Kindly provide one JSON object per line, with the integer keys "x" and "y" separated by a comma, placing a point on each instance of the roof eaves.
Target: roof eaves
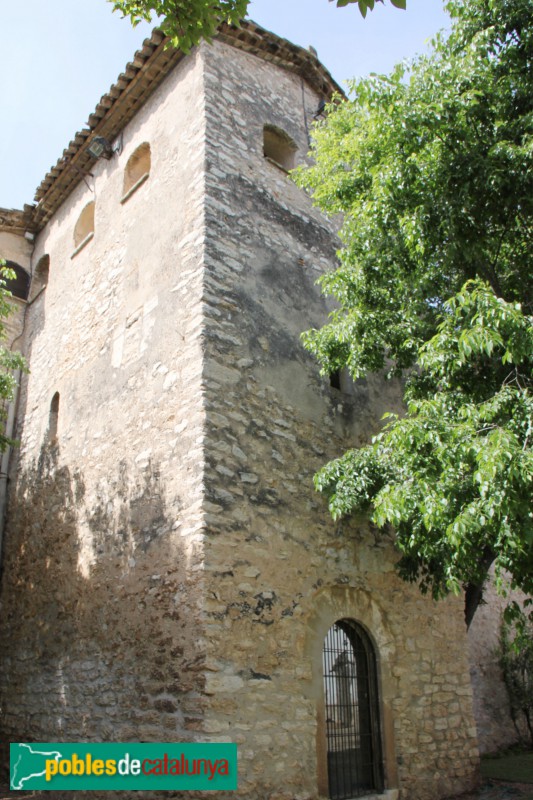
{"x": 141, "y": 77}
{"x": 150, "y": 65}
{"x": 256, "y": 40}
{"x": 13, "y": 220}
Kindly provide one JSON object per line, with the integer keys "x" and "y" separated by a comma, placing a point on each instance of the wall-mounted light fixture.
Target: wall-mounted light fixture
{"x": 100, "y": 147}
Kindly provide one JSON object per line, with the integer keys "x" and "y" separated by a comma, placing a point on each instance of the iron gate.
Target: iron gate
{"x": 352, "y": 712}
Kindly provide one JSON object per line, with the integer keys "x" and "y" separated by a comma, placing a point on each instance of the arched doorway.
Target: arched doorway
{"x": 353, "y": 737}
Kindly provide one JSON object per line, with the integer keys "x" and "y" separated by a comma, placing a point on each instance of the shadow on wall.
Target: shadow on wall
{"x": 107, "y": 652}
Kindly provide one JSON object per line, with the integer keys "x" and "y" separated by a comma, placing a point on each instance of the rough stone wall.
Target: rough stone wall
{"x": 279, "y": 572}
{"x": 495, "y": 727}
{"x": 100, "y": 625}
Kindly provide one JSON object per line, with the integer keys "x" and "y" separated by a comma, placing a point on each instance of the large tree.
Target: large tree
{"x": 188, "y": 21}
{"x": 431, "y": 168}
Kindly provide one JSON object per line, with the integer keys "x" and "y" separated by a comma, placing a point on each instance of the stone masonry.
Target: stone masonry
{"x": 169, "y": 573}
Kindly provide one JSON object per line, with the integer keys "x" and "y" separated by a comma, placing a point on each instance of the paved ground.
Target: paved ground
{"x": 498, "y": 790}
{"x": 492, "y": 790}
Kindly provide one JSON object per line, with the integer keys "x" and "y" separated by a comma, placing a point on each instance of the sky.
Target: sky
{"x": 60, "y": 56}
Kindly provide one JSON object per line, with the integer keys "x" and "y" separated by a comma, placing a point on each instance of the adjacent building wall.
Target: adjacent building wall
{"x": 14, "y": 247}
{"x": 495, "y": 727}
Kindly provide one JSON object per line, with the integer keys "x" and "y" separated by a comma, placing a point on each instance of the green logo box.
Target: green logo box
{"x": 158, "y": 767}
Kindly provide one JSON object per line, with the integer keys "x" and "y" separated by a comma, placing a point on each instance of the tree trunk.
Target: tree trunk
{"x": 474, "y": 591}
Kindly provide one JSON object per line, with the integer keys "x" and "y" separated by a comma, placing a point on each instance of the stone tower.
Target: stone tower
{"x": 169, "y": 573}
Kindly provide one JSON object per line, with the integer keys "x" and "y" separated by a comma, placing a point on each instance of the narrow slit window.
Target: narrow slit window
{"x": 137, "y": 170}
{"x": 279, "y": 148}
{"x": 53, "y": 419}
{"x": 351, "y": 713}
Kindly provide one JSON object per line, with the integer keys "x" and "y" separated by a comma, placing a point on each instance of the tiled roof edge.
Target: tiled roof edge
{"x": 267, "y": 45}
{"x": 150, "y": 65}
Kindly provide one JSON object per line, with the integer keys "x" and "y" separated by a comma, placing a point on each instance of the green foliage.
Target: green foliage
{"x": 9, "y": 361}
{"x": 454, "y": 475}
{"x": 368, "y": 5}
{"x": 431, "y": 168}
{"x": 516, "y": 661}
{"x": 186, "y": 22}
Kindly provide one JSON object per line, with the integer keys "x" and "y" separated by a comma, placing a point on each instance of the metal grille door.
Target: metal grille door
{"x": 352, "y": 712}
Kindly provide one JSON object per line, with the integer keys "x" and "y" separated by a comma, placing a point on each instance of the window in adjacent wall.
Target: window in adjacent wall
{"x": 19, "y": 286}
{"x": 137, "y": 170}
{"x": 279, "y": 148}
{"x": 341, "y": 380}
{"x": 352, "y": 712}
{"x": 53, "y": 418}
{"x": 40, "y": 276}
{"x": 84, "y": 228}
{"x": 335, "y": 379}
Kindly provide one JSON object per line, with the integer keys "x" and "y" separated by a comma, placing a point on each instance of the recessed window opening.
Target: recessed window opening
{"x": 84, "y": 228}
{"x": 40, "y": 276}
{"x": 53, "y": 418}
{"x": 137, "y": 170}
{"x": 335, "y": 379}
{"x": 19, "y": 285}
{"x": 279, "y": 147}
{"x": 341, "y": 380}
{"x": 352, "y": 712}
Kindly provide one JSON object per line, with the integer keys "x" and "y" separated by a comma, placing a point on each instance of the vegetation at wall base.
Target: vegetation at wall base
{"x": 512, "y": 767}
{"x": 431, "y": 168}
